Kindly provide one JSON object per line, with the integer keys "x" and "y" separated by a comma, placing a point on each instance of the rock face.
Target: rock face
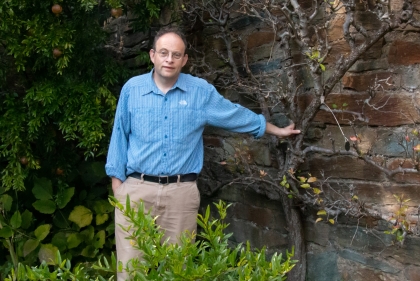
{"x": 386, "y": 124}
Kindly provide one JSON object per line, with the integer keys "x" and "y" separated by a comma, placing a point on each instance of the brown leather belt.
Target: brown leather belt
{"x": 165, "y": 179}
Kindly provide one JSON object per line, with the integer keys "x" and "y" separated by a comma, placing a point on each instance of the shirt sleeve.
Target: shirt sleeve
{"x": 222, "y": 113}
{"x": 116, "y": 163}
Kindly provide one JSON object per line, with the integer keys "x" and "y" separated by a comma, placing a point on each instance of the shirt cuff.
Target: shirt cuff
{"x": 112, "y": 172}
{"x": 263, "y": 125}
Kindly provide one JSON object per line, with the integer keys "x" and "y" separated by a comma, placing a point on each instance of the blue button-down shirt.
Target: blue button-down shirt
{"x": 160, "y": 134}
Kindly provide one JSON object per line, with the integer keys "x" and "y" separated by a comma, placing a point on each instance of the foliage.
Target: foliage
{"x": 58, "y": 93}
{"x": 51, "y": 216}
{"x": 211, "y": 258}
{"x": 207, "y": 259}
{"x": 52, "y": 101}
{"x": 400, "y": 225}
{"x": 62, "y": 270}
{"x": 145, "y": 11}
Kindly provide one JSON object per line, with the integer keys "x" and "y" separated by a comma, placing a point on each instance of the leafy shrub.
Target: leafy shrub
{"x": 210, "y": 258}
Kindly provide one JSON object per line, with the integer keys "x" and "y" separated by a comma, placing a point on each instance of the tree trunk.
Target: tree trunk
{"x": 296, "y": 238}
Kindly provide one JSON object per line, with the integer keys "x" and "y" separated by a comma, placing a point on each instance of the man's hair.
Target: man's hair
{"x": 166, "y": 30}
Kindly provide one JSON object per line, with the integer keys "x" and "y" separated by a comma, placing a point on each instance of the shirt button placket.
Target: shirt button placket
{"x": 165, "y": 136}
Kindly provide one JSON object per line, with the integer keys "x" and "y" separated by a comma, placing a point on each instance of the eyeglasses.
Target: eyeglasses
{"x": 165, "y": 53}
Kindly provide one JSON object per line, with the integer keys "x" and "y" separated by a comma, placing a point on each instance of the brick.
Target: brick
{"x": 383, "y": 110}
{"x": 335, "y": 30}
{"x": 363, "y": 82}
{"x": 338, "y": 49}
{"x": 211, "y": 141}
{"x": 344, "y": 167}
{"x": 259, "y": 216}
{"x": 376, "y": 193}
{"x": 257, "y": 39}
{"x": 133, "y": 39}
{"x": 341, "y": 47}
{"x": 410, "y": 77}
{"x": 367, "y": 135}
{"x": 396, "y": 5}
{"x": 368, "y": 20}
{"x": 412, "y": 273}
{"x": 416, "y": 4}
{"x": 404, "y": 53}
{"x": 408, "y": 164}
{"x": 361, "y": 65}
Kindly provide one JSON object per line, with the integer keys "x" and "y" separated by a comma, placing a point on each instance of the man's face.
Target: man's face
{"x": 169, "y": 57}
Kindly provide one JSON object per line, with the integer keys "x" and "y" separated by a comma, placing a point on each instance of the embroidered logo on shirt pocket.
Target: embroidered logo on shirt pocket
{"x": 183, "y": 102}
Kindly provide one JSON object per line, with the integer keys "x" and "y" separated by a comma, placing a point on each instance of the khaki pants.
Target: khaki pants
{"x": 175, "y": 204}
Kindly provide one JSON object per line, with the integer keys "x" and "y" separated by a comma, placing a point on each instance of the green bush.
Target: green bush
{"x": 209, "y": 258}
{"x": 59, "y": 87}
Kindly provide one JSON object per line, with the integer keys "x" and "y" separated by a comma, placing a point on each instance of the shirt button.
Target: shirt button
{"x": 166, "y": 117}
{"x": 166, "y": 136}
{"x": 164, "y": 154}
{"x": 166, "y": 99}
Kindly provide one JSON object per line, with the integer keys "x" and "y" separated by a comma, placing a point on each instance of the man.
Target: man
{"x": 156, "y": 149}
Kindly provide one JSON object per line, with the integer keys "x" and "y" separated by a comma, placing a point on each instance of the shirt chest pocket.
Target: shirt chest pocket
{"x": 146, "y": 124}
{"x": 186, "y": 125}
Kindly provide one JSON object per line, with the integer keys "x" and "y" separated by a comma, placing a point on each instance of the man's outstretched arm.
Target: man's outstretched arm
{"x": 281, "y": 132}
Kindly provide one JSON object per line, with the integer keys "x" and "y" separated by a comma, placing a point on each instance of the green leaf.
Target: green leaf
{"x": 42, "y": 189}
{"x": 26, "y": 219}
{"x": 322, "y": 66}
{"x": 89, "y": 251}
{"x": 101, "y": 218}
{"x": 88, "y": 234}
{"x": 64, "y": 197}
{"x": 81, "y": 216}
{"x": 6, "y": 200}
{"x": 60, "y": 241}
{"x": 16, "y": 220}
{"x": 102, "y": 207}
{"x": 42, "y": 231}
{"x": 48, "y": 253}
{"x": 6, "y": 232}
{"x": 74, "y": 240}
{"x": 29, "y": 246}
{"x": 44, "y": 206}
{"x": 61, "y": 221}
{"x": 305, "y": 185}
{"x": 99, "y": 239}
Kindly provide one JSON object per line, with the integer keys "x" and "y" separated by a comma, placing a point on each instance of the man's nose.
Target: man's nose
{"x": 170, "y": 57}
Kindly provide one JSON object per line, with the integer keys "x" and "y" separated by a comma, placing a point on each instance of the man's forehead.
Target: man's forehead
{"x": 169, "y": 39}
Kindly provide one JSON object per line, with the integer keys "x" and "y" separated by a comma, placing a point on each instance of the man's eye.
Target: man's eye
{"x": 164, "y": 53}
{"x": 177, "y": 55}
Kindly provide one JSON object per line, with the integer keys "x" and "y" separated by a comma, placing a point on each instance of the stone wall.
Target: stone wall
{"x": 350, "y": 249}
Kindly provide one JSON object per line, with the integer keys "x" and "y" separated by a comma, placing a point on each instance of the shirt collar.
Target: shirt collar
{"x": 150, "y": 85}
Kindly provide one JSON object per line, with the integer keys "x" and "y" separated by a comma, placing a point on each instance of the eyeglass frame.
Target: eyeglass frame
{"x": 174, "y": 54}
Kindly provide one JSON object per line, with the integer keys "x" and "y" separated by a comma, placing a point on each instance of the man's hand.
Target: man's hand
{"x": 115, "y": 184}
{"x": 281, "y": 132}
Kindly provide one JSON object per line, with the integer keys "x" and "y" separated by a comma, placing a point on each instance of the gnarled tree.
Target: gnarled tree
{"x": 296, "y": 80}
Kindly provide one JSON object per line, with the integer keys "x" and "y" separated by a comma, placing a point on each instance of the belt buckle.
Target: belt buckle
{"x": 167, "y": 180}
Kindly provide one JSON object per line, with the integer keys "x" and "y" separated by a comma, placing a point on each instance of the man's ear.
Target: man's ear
{"x": 152, "y": 55}
{"x": 184, "y": 59}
